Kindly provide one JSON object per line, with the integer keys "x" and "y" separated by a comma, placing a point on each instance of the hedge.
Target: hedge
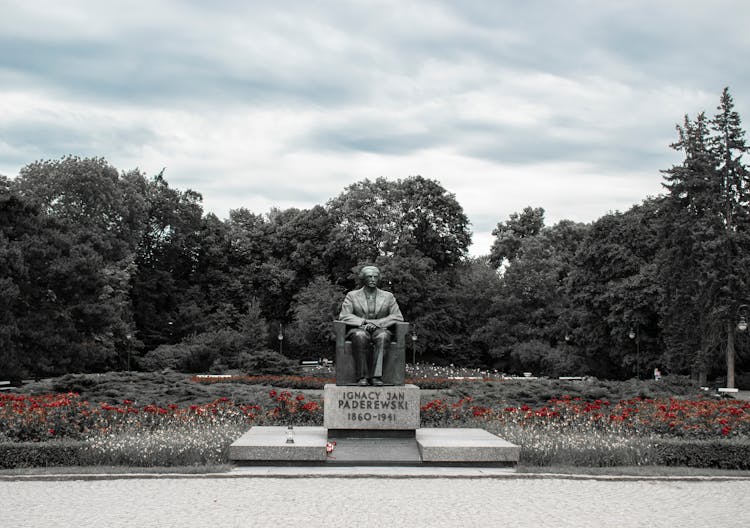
{"x": 721, "y": 454}
{"x": 41, "y": 454}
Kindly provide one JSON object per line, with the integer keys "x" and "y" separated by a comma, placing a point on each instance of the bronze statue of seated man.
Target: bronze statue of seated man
{"x": 371, "y": 311}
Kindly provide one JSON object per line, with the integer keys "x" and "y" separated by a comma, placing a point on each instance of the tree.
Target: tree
{"x": 510, "y": 234}
{"x": 532, "y": 302}
{"x": 19, "y": 221}
{"x": 706, "y": 238}
{"x": 315, "y": 306}
{"x": 728, "y": 145}
{"x": 613, "y": 288}
{"x": 279, "y": 254}
{"x": 413, "y": 216}
{"x": 82, "y": 252}
{"x": 166, "y": 260}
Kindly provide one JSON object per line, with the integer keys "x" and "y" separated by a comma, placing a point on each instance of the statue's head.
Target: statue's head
{"x": 369, "y": 276}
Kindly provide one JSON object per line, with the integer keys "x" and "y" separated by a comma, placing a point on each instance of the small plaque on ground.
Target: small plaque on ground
{"x": 371, "y": 407}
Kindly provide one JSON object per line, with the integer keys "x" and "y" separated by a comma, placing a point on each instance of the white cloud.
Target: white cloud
{"x": 568, "y": 106}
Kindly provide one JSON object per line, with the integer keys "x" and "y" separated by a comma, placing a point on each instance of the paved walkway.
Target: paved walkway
{"x": 248, "y": 500}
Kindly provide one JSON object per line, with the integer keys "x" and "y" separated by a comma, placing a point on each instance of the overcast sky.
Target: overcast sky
{"x": 567, "y": 105}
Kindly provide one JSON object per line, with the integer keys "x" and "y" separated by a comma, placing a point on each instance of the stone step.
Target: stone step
{"x": 268, "y": 445}
{"x": 375, "y": 452}
{"x": 469, "y": 445}
{"x": 475, "y": 447}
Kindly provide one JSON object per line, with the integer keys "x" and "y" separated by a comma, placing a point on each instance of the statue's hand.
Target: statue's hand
{"x": 370, "y": 327}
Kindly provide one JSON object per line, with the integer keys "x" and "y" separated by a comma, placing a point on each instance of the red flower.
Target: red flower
{"x": 272, "y": 394}
{"x": 300, "y": 397}
{"x": 481, "y": 411}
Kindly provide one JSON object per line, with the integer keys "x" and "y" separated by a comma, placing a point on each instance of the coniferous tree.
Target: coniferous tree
{"x": 705, "y": 236}
{"x": 728, "y": 146}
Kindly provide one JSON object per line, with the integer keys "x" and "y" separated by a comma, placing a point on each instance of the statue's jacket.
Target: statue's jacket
{"x": 354, "y": 309}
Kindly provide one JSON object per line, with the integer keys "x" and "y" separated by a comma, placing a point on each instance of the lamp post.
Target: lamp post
{"x": 741, "y": 326}
{"x": 128, "y": 337}
{"x": 414, "y": 348}
{"x": 280, "y": 337}
{"x": 741, "y": 320}
{"x": 635, "y": 334}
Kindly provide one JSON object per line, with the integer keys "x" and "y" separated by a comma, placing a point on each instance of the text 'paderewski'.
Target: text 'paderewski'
{"x": 372, "y": 400}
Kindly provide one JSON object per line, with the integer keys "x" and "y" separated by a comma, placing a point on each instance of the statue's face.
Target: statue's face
{"x": 370, "y": 278}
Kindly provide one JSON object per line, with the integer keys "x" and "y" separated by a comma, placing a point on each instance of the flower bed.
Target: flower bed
{"x": 58, "y": 428}
{"x": 567, "y": 430}
{"x": 634, "y": 432}
{"x": 703, "y": 418}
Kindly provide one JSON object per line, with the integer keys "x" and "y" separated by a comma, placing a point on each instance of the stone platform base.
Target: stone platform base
{"x": 437, "y": 447}
{"x": 465, "y": 446}
{"x": 268, "y": 445}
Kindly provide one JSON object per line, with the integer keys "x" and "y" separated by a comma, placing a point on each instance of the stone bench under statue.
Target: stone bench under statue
{"x": 394, "y": 360}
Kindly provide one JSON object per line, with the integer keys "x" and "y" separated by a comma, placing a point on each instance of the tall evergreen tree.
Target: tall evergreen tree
{"x": 728, "y": 145}
{"x": 706, "y": 239}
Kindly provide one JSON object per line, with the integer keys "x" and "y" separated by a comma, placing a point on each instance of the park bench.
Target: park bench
{"x": 726, "y": 392}
{"x": 5, "y": 385}
{"x": 310, "y": 363}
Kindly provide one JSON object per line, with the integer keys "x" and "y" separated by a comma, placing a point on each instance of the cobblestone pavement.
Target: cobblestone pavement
{"x": 380, "y": 502}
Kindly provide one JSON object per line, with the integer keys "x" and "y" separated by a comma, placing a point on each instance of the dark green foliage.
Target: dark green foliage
{"x": 721, "y": 454}
{"x": 509, "y": 235}
{"x": 537, "y": 393}
{"x": 265, "y": 361}
{"x": 103, "y": 270}
{"x": 614, "y": 288}
{"x": 41, "y": 454}
{"x": 413, "y": 216}
{"x": 315, "y": 306}
{"x": 162, "y": 388}
{"x": 66, "y": 248}
{"x": 706, "y": 239}
{"x": 530, "y": 313}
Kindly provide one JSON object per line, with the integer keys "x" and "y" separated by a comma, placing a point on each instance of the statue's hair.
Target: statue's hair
{"x": 364, "y": 269}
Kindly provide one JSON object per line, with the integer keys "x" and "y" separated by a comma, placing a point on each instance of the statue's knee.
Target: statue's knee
{"x": 359, "y": 335}
{"x": 383, "y": 337}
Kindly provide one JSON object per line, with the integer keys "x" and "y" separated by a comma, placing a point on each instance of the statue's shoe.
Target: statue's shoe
{"x": 362, "y": 382}
{"x": 378, "y": 382}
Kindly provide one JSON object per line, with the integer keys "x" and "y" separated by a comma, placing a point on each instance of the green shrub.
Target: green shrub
{"x": 721, "y": 454}
{"x": 40, "y": 454}
{"x": 162, "y": 357}
{"x": 265, "y": 361}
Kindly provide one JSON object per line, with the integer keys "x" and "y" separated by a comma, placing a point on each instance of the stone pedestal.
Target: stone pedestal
{"x": 373, "y": 426}
{"x": 371, "y": 408}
